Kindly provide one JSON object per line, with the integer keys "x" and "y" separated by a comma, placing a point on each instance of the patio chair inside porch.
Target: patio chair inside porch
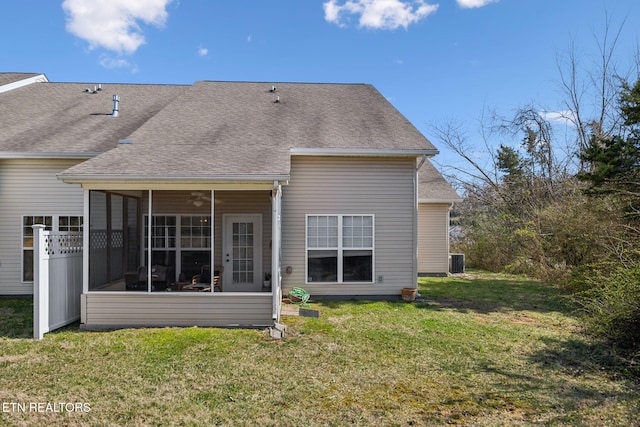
{"x": 202, "y": 282}
{"x": 160, "y": 278}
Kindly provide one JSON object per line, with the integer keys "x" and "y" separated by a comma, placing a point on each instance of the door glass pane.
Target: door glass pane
{"x": 242, "y": 252}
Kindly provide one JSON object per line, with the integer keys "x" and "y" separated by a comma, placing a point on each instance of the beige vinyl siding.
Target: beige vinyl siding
{"x": 433, "y": 238}
{"x": 29, "y": 187}
{"x": 227, "y": 202}
{"x": 219, "y": 309}
{"x": 352, "y": 185}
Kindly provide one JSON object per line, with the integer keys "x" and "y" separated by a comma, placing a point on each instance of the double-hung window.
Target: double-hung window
{"x": 179, "y": 241}
{"x": 51, "y": 222}
{"x": 163, "y": 241}
{"x": 340, "y": 248}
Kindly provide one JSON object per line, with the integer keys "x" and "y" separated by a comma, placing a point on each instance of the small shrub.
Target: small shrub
{"x": 610, "y": 297}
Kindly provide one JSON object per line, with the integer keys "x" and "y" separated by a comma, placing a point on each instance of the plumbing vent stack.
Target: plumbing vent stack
{"x": 116, "y": 106}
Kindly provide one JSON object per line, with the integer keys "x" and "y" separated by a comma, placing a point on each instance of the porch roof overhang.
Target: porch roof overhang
{"x": 175, "y": 182}
{"x": 47, "y": 155}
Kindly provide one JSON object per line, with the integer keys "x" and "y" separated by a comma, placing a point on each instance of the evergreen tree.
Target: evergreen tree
{"x": 615, "y": 160}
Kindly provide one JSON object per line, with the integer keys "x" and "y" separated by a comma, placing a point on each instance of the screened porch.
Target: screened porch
{"x": 180, "y": 241}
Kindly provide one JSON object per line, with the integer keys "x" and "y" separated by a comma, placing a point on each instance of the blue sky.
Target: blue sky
{"x": 434, "y": 60}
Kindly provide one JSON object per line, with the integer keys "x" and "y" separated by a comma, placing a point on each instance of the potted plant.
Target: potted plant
{"x": 409, "y": 294}
{"x": 267, "y": 280}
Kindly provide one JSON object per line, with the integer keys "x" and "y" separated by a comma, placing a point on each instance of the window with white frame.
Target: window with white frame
{"x": 70, "y": 223}
{"x": 163, "y": 239}
{"x": 51, "y": 222}
{"x": 340, "y": 248}
{"x": 180, "y": 241}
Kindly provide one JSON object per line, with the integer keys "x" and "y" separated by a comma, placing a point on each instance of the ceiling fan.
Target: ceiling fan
{"x": 198, "y": 198}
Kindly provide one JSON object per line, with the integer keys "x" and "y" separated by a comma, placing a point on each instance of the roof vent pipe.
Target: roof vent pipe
{"x": 116, "y": 105}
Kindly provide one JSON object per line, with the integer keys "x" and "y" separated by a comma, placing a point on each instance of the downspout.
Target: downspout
{"x": 276, "y": 279}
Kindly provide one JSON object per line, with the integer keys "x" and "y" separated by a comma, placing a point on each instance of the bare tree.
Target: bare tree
{"x": 590, "y": 93}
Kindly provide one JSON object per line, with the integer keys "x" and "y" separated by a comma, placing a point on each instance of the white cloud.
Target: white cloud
{"x": 203, "y": 51}
{"x": 109, "y": 62}
{"x": 378, "y": 14}
{"x": 470, "y": 4}
{"x": 113, "y": 24}
{"x": 566, "y": 117}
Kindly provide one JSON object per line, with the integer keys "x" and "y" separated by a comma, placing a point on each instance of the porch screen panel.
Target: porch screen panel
{"x": 117, "y": 255}
{"x": 113, "y": 240}
{"x": 132, "y": 234}
{"x": 98, "y": 249}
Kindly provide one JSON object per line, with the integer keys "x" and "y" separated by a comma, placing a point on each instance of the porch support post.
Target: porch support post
{"x": 276, "y": 206}
{"x": 212, "y": 267}
{"x": 41, "y": 284}
{"x": 415, "y": 228}
{"x": 86, "y": 249}
{"x": 149, "y": 240}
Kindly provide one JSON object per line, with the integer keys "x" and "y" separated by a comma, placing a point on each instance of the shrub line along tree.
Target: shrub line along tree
{"x": 567, "y": 213}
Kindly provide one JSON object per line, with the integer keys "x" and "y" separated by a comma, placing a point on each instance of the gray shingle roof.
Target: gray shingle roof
{"x": 209, "y": 129}
{"x": 63, "y": 118}
{"x": 237, "y": 128}
{"x": 432, "y": 186}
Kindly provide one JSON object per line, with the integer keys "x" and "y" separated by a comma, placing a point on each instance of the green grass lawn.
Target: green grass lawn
{"x": 476, "y": 350}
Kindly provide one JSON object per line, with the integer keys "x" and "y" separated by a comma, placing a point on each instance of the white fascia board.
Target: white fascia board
{"x": 362, "y": 152}
{"x": 186, "y": 179}
{"x": 439, "y": 200}
{"x": 46, "y": 155}
{"x": 23, "y": 82}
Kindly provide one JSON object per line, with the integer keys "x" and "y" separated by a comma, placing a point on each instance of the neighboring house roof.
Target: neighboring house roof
{"x": 433, "y": 188}
{"x": 10, "y": 81}
{"x": 62, "y": 119}
{"x": 6, "y": 78}
{"x": 225, "y": 130}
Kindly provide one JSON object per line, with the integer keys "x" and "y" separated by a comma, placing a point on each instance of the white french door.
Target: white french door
{"x": 242, "y": 252}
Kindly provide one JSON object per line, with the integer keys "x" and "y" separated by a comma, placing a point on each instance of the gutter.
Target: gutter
{"x": 123, "y": 178}
{"x": 439, "y": 200}
{"x": 362, "y": 152}
{"x": 46, "y": 155}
